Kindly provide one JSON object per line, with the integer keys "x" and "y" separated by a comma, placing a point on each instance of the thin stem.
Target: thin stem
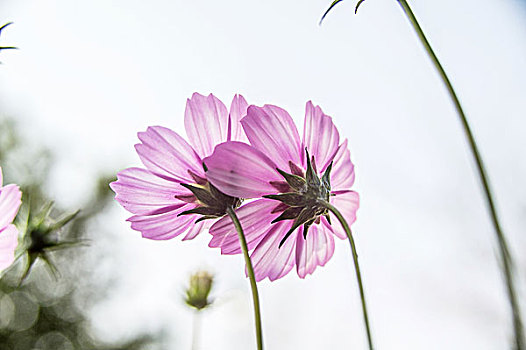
{"x": 196, "y": 329}
{"x": 251, "y": 276}
{"x": 347, "y": 229}
{"x": 507, "y": 260}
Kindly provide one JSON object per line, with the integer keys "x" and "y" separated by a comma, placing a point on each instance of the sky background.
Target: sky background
{"x": 90, "y": 75}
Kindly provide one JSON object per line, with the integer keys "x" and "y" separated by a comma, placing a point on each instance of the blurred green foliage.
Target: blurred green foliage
{"x": 41, "y": 304}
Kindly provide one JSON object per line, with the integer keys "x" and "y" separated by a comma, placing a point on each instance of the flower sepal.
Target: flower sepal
{"x": 41, "y": 238}
{"x": 305, "y": 202}
{"x": 213, "y": 203}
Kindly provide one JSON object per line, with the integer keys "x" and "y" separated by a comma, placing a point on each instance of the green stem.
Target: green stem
{"x": 347, "y": 229}
{"x": 251, "y": 276}
{"x": 507, "y": 261}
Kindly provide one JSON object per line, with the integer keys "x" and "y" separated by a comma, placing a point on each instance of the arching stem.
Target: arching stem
{"x": 505, "y": 255}
{"x": 251, "y": 276}
{"x": 348, "y": 231}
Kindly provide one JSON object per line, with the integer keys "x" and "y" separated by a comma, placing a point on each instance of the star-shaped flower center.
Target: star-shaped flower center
{"x": 303, "y": 196}
{"x": 212, "y": 202}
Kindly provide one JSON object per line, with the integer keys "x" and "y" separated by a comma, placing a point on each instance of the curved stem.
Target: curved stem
{"x": 507, "y": 261}
{"x": 347, "y": 229}
{"x": 252, "y": 277}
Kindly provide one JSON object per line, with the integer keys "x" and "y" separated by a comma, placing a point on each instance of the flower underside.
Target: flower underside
{"x": 303, "y": 196}
{"x": 212, "y": 202}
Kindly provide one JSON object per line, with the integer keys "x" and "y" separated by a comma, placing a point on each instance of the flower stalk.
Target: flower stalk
{"x": 505, "y": 255}
{"x": 196, "y": 329}
{"x": 253, "y": 285}
{"x": 347, "y": 229}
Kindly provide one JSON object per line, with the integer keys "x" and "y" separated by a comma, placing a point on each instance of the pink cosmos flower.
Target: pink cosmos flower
{"x": 10, "y": 201}
{"x": 289, "y": 226}
{"x": 172, "y": 196}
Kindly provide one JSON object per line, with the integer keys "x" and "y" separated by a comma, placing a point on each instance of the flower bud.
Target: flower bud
{"x": 197, "y": 293}
{"x": 42, "y": 237}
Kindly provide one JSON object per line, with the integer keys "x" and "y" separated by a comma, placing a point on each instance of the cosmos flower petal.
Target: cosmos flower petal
{"x": 338, "y": 233}
{"x": 313, "y": 251}
{"x": 320, "y": 136}
{"x": 141, "y": 192}
{"x": 206, "y": 123}
{"x": 268, "y": 259}
{"x": 168, "y": 155}
{"x": 255, "y": 218}
{"x": 271, "y": 130}
{"x": 164, "y": 225}
{"x": 238, "y": 110}
{"x": 347, "y": 203}
{"x": 194, "y": 231}
{"x": 8, "y": 244}
{"x": 242, "y": 171}
{"x": 238, "y": 170}
{"x": 342, "y": 174}
{"x": 10, "y": 200}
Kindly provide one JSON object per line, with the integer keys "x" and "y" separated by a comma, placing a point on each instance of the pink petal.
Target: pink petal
{"x": 255, "y": 218}
{"x": 141, "y": 192}
{"x": 342, "y": 174}
{"x": 347, "y": 203}
{"x": 240, "y": 170}
{"x": 338, "y": 233}
{"x": 271, "y": 130}
{"x": 168, "y": 155}
{"x": 268, "y": 259}
{"x": 238, "y": 110}
{"x": 320, "y": 136}
{"x": 10, "y": 200}
{"x": 206, "y": 123}
{"x": 313, "y": 251}
{"x": 8, "y": 243}
{"x": 194, "y": 231}
{"x": 164, "y": 225}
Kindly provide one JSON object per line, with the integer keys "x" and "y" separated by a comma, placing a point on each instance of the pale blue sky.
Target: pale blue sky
{"x": 90, "y": 75}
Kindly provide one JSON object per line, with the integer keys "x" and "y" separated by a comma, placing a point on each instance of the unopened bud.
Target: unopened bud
{"x": 42, "y": 237}
{"x": 199, "y": 289}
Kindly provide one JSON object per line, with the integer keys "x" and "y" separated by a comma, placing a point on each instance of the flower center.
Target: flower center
{"x": 303, "y": 197}
{"x": 212, "y": 202}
